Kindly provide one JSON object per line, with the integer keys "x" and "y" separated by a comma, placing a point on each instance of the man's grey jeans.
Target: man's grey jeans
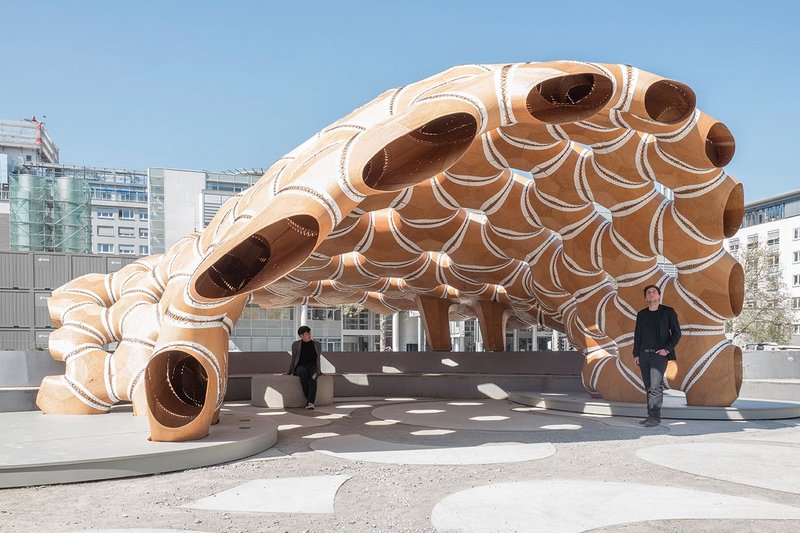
{"x": 653, "y": 367}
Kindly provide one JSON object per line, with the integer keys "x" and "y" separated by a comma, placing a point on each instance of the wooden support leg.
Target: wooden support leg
{"x": 435, "y": 315}
{"x": 492, "y": 318}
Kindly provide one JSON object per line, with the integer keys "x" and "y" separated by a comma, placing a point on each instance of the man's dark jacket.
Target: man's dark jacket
{"x": 296, "y": 354}
{"x": 669, "y": 331}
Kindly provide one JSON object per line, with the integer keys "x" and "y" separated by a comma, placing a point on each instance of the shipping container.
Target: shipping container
{"x": 16, "y": 309}
{"x": 114, "y": 263}
{"x": 16, "y": 339}
{"x": 87, "y": 264}
{"x": 50, "y": 271}
{"x": 41, "y": 315}
{"x": 16, "y": 270}
{"x": 41, "y": 338}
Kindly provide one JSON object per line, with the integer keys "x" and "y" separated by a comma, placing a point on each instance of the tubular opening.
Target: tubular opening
{"x": 421, "y": 153}
{"x": 669, "y": 101}
{"x": 738, "y": 371}
{"x": 176, "y": 385}
{"x": 569, "y": 98}
{"x": 734, "y": 211}
{"x": 736, "y": 288}
{"x": 260, "y": 258}
{"x": 720, "y": 145}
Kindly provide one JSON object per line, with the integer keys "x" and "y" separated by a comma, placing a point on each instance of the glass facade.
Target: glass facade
{"x": 155, "y": 191}
{"x": 220, "y": 187}
{"x": 767, "y": 211}
{"x": 49, "y": 212}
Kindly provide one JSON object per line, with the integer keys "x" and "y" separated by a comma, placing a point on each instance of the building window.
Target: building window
{"x": 105, "y": 213}
{"x": 733, "y": 246}
{"x": 142, "y": 215}
{"x": 144, "y": 250}
{"x": 105, "y": 248}
{"x": 796, "y": 234}
{"x": 280, "y": 313}
{"x": 773, "y": 239}
{"x": 795, "y": 303}
{"x": 796, "y": 257}
{"x": 126, "y": 214}
{"x": 144, "y": 233}
{"x": 796, "y": 280}
{"x": 127, "y": 232}
{"x": 773, "y": 259}
{"x": 126, "y": 249}
{"x": 797, "y": 329}
{"x": 752, "y": 241}
{"x": 105, "y": 231}
{"x": 325, "y": 314}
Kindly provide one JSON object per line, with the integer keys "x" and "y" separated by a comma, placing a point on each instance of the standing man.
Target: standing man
{"x": 656, "y": 335}
{"x": 305, "y": 364}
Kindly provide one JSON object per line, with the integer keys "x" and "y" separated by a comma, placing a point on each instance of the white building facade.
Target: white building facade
{"x": 775, "y": 222}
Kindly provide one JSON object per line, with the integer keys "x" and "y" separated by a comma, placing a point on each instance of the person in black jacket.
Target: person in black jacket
{"x": 305, "y": 363}
{"x": 654, "y": 340}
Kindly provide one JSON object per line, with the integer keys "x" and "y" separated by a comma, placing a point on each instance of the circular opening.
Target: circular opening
{"x": 260, "y": 258}
{"x": 669, "y": 101}
{"x": 737, "y": 368}
{"x": 421, "y": 153}
{"x": 189, "y": 381}
{"x": 176, "y": 385}
{"x": 736, "y": 288}
{"x": 720, "y": 145}
{"x": 569, "y": 98}
{"x": 734, "y": 211}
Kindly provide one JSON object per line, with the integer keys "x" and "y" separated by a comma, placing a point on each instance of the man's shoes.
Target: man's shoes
{"x": 644, "y": 421}
{"x": 310, "y": 406}
{"x": 651, "y": 422}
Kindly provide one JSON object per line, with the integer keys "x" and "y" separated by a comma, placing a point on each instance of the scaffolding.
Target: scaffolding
{"x": 29, "y": 134}
{"x": 49, "y": 213}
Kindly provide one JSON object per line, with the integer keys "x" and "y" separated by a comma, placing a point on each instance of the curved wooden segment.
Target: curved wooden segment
{"x": 541, "y": 193}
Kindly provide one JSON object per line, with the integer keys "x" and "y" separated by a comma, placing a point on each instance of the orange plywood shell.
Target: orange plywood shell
{"x": 475, "y": 192}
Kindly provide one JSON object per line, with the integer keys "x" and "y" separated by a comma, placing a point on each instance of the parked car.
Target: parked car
{"x": 771, "y": 347}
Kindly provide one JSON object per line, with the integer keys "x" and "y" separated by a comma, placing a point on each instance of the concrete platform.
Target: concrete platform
{"x": 771, "y": 389}
{"x": 674, "y": 407}
{"x": 279, "y": 391}
{"x": 18, "y": 398}
{"x": 450, "y": 385}
{"x": 43, "y": 449}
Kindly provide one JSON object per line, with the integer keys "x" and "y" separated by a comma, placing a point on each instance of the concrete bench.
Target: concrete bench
{"x": 281, "y": 391}
{"x": 461, "y": 385}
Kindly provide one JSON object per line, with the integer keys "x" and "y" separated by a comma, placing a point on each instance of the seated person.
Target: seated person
{"x": 305, "y": 364}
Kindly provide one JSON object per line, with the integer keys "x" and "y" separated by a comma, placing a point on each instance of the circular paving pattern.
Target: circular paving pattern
{"x": 565, "y": 505}
{"x": 488, "y": 415}
{"x": 757, "y": 465}
{"x": 360, "y": 448}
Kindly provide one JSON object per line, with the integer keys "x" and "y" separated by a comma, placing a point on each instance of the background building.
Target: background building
{"x": 21, "y": 142}
{"x": 775, "y": 221}
{"x": 47, "y": 207}
{"x": 120, "y": 210}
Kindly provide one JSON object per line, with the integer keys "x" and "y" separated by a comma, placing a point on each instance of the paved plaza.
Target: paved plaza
{"x": 400, "y": 464}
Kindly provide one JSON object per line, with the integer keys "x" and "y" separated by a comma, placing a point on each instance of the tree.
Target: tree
{"x": 352, "y": 310}
{"x": 767, "y": 314}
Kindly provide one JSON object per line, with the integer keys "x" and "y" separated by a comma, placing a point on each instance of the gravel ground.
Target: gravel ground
{"x": 385, "y": 497}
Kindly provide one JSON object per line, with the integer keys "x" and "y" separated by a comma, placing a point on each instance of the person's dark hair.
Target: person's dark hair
{"x": 303, "y": 329}
{"x": 644, "y": 292}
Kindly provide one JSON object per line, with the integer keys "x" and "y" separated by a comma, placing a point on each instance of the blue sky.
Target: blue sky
{"x": 221, "y": 85}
